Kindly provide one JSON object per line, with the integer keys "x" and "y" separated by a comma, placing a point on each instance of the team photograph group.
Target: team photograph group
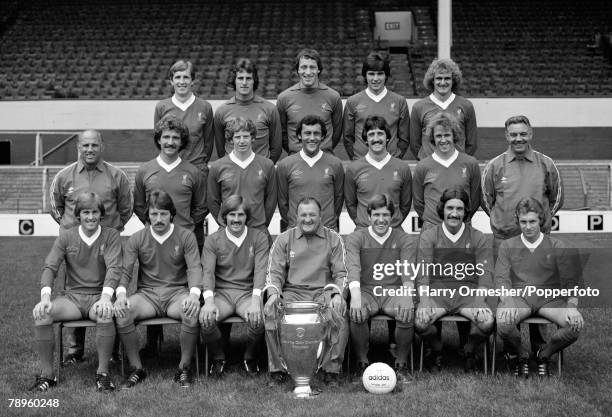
{"x": 279, "y": 157}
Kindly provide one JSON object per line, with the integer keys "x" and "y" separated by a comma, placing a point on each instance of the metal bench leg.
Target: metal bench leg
{"x": 60, "y": 349}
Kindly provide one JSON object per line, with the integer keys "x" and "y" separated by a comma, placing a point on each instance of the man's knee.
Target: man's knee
{"x": 505, "y": 330}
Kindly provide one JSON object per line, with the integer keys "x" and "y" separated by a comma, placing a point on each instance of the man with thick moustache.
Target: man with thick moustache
{"x": 456, "y": 244}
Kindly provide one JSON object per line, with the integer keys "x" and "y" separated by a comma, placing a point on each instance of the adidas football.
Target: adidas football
{"x": 379, "y": 378}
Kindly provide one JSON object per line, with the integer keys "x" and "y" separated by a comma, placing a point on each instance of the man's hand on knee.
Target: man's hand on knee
{"x": 43, "y": 308}
{"x": 191, "y": 305}
{"x": 122, "y": 305}
{"x": 103, "y": 308}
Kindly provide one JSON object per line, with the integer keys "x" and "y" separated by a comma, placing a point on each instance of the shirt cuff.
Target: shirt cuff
{"x": 108, "y": 291}
{"x": 257, "y": 292}
{"x": 208, "y": 294}
{"x": 354, "y": 284}
{"x": 195, "y": 291}
{"x": 45, "y": 290}
{"x": 120, "y": 290}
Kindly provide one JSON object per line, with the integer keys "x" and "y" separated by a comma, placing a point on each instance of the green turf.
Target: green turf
{"x": 584, "y": 389}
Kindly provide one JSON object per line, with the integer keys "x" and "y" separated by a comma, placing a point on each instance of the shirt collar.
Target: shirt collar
{"x": 311, "y": 160}
{"x": 319, "y": 232}
{"x": 448, "y": 162}
{"x": 376, "y": 164}
{"x": 532, "y": 246}
{"x": 242, "y": 164}
{"x": 380, "y": 239}
{"x": 81, "y": 165}
{"x": 183, "y": 106}
{"x": 443, "y": 104}
{"x": 527, "y": 155}
{"x": 236, "y": 240}
{"x": 376, "y": 98}
{"x": 168, "y": 167}
{"x": 89, "y": 240}
{"x": 453, "y": 237}
{"x": 162, "y": 238}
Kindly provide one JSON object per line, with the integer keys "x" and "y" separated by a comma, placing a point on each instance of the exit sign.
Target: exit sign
{"x": 392, "y": 26}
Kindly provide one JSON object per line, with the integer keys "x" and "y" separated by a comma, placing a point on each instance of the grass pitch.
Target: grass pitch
{"x": 584, "y": 389}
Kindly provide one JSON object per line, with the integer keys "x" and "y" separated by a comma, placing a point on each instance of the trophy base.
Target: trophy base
{"x": 304, "y": 392}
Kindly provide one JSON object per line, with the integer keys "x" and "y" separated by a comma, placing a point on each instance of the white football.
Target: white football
{"x": 379, "y": 378}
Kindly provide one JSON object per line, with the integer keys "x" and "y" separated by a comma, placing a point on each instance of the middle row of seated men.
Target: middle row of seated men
{"x": 310, "y": 262}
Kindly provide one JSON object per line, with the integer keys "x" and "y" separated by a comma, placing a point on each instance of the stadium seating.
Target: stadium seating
{"x": 121, "y": 50}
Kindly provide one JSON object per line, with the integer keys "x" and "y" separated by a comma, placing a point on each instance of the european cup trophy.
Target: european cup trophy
{"x": 302, "y": 328}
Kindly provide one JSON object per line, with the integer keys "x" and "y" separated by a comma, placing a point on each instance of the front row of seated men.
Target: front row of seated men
{"x": 382, "y": 268}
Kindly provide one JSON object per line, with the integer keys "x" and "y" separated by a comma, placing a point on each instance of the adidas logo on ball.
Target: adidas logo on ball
{"x": 379, "y": 378}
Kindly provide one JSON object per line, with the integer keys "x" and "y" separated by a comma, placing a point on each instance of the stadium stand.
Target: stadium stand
{"x": 120, "y": 50}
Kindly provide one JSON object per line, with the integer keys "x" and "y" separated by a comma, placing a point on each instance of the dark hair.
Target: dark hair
{"x": 237, "y": 124}
{"x": 444, "y": 65}
{"x": 160, "y": 200}
{"x": 530, "y": 205}
{"x": 379, "y": 201}
{"x": 375, "y": 122}
{"x": 375, "y": 61}
{"x": 171, "y": 122}
{"x": 449, "y": 194}
{"x": 233, "y": 203}
{"x": 310, "y": 120}
{"x": 515, "y": 120}
{"x": 88, "y": 200}
{"x": 310, "y": 54}
{"x": 447, "y": 121}
{"x": 182, "y": 65}
{"x": 308, "y": 200}
{"x": 243, "y": 64}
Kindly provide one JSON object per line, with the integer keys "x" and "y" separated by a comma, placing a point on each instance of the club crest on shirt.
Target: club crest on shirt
{"x": 326, "y": 173}
{"x": 504, "y": 180}
{"x": 70, "y": 193}
{"x": 176, "y": 250}
{"x": 227, "y": 176}
{"x": 459, "y": 111}
{"x": 250, "y": 250}
{"x": 464, "y": 172}
{"x": 395, "y": 175}
{"x": 185, "y": 181}
{"x": 260, "y": 173}
{"x": 325, "y": 107}
{"x": 261, "y": 117}
{"x": 467, "y": 245}
{"x": 295, "y": 108}
{"x": 297, "y": 173}
{"x": 200, "y": 117}
{"x": 392, "y": 107}
{"x": 291, "y": 254}
{"x": 102, "y": 249}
